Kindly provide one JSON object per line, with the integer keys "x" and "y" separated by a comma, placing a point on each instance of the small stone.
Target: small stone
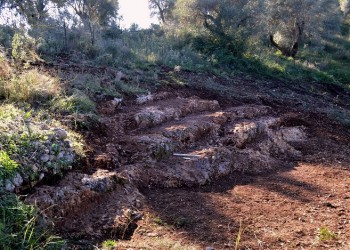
{"x": 61, "y": 134}
{"x": 67, "y": 143}
{"x": 9, "y": 186}
{"x": 69, "y": 157}
{"x": 138, "y": 204}
{"x": 35, "y": 168}
{"x": 177, "y": 68}
{"x": 41, "y": 176}
{"x": 45, "y": 158}
{"x": 52, "y": 157}
{"x": 152, "y": 235}
{"x": 17, "y": 180}
{"x": 60, "y": 155}
{"x": 209, "y": 248}
{"x": 44, "y": 127}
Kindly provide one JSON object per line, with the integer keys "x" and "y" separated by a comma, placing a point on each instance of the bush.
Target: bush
{"x": 79, "y": 102}
{"x": 5, "y": 69}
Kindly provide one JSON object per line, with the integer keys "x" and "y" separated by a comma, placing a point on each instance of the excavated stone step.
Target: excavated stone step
{"x": 247, "y": 112}
{"x": 242, "y": 133}
{"x": 97, "y": 205}
{"x": 266, "y": 147}
{"x": 76, "y": 190}
{"x": 160, "y": 142}
{"x": 191, "y": 169}
{"x": 173, "y": 109}
{"x": 146, "y": 148}
{"x": 193, "y": 128}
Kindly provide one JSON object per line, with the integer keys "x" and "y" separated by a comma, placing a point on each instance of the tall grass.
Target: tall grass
{"x": 21, "y": 227}
{"x": 30, "y": 86}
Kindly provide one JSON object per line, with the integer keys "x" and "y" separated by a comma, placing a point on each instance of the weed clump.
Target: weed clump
{"x": 325, "y": 234}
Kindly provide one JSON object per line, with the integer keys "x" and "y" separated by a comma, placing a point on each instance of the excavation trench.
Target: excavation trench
{"x": 165, "y": 141}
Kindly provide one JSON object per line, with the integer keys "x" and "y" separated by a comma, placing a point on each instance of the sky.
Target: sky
{"x": 135, "y": 11}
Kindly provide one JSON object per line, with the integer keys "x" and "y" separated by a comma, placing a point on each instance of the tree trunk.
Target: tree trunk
{"x": 288, "y": 52}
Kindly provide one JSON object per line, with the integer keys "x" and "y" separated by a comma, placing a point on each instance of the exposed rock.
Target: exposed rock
{"x": 45, "y": 158}
{"x": 144, "y": 98}
{"x": 9, "y": 186}
{"x": 102, "y": 181}
{"x": 293, "y": 134}
{"x": 155, "y": 115}
{"x": 120, "y": 76}
{"x": 168, "y": 143}
{"x": 246, "y": 132}
{"x": 17, "y": 180}
{"x": 61, "y": 134}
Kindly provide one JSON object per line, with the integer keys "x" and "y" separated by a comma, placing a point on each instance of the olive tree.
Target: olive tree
{"x": 162, "y": 9}
{"x": 217, "y": 25}
{"x": 95, "y": 14}
{"x": 291, "y": 22}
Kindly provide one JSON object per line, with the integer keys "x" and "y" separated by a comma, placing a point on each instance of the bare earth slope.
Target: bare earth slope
{"x": 191, "y": 168}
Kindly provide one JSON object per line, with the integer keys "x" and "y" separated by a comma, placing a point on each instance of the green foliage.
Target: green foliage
{"x": 159, "y": 221}
{"x": 8, "y": 167}
{"x": 21, "y": 227}
{"x": 22, "y": 49}
{"x": 17, "y": 52}
{"x": 109, "y": 244}
{"x": 76, "y": 103}
{"x": 25, "y": 138}
{"x": 325, "y": 234}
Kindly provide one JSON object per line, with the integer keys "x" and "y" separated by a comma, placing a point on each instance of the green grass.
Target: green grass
{"x": 325, "y": 234}
{"x": 21, "y": 227}
{"x": 79, "y": 102}
{"x": 109, "y": 244}
{"x": 8, "y": 167}
{"x": 30, "y": 86}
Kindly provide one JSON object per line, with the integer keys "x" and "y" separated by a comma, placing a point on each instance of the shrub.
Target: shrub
{"x": 79, "y": 102}
{"x": 5, "y": 69}
{"x": 109, "y": 244}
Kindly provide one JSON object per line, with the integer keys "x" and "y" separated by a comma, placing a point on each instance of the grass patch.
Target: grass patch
{"x": 8, "y": 167}
{"x": 30, "y": 86}
{"x": 79, "y": 102}
{"x": 325, "y": 234}
{"x": 109, "y": 244}
{"x": 21, "y": 227}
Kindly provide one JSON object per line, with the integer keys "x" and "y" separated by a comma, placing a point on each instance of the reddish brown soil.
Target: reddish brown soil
{"x": 282, "y": 209}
